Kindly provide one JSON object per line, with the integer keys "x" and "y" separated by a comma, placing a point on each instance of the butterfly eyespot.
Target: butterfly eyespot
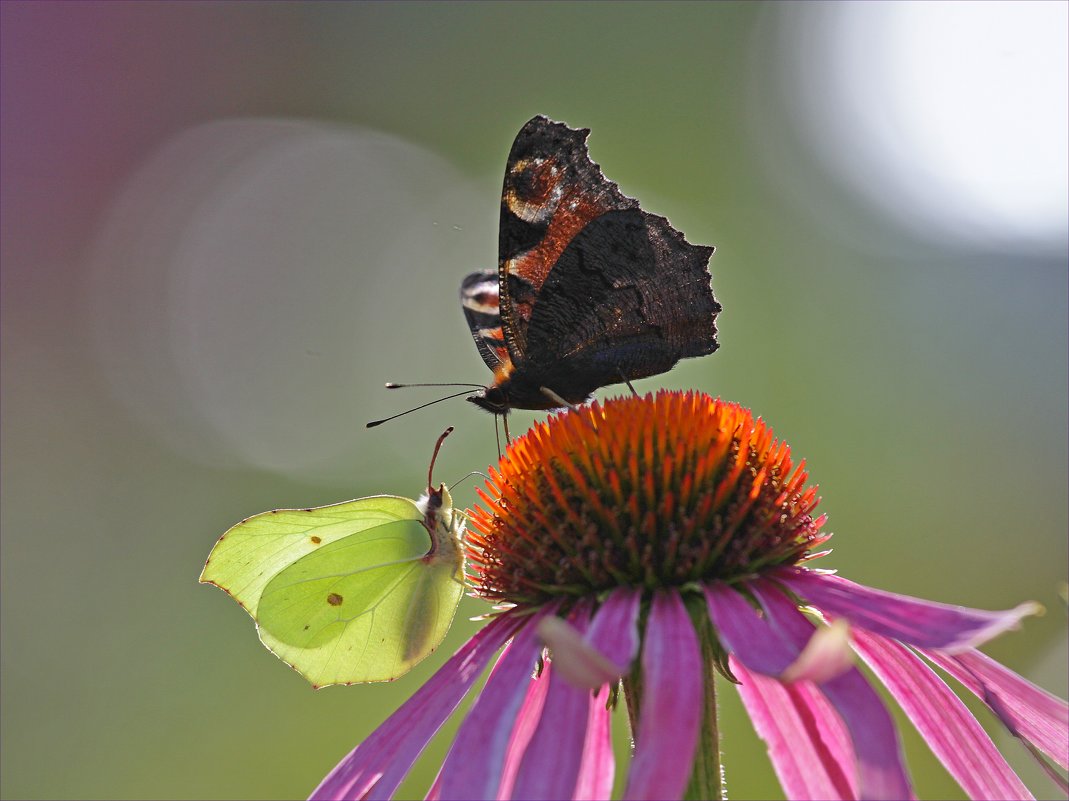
{"x": 534, "y": 189}
{"x": 334, "y": 599}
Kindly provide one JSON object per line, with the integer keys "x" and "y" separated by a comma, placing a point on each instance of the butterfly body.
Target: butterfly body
{"x": 590, "y": 289}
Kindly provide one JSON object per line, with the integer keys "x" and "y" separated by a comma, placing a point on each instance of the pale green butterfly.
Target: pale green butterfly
{"x": 353, "y": 592}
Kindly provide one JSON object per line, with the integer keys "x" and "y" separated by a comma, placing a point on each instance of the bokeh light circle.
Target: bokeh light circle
{"x": 950, "y": 118}
{"x": 249, "y": 280}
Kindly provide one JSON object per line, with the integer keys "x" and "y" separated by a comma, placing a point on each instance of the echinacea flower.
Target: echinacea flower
{"x": 659, "y": 540}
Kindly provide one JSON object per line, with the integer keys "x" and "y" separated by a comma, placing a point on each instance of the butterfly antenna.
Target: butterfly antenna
{"x": 394, "y": 385}
{"x": 374, "y": 423}
{"x": 434, "y": 456}
{"x": 462, "y": 479}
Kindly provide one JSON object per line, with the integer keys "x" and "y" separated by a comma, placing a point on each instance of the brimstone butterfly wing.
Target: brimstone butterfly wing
{"x": 354, "y": 592}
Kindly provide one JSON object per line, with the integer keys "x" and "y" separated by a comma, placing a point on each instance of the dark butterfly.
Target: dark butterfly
{"x": 590, "y": 290}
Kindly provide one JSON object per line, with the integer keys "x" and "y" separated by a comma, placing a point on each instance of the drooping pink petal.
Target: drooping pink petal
{"x": 575, "y": 659}
{"x": 825, "y": 656}
{"x": 942, "y": 719}
{"x": 375, "y": 767}
{"x": 550, "y": 765}
{"x": 745, "y": 634}
{"x": 614, "y": 631}
{"x": 926, "y": 624}
{"x": 1028, "y": 711}
{"x": 605, "y": 652}
{"x": 526, "y": 723}
{"x": 809, "y": 748}
{"x": 881, "y": 770}
{"x": 768, "y": 645}
{"x": 475, "y": 763}
{"x": 598, "y": 768}
{"x": 670, "y": 712}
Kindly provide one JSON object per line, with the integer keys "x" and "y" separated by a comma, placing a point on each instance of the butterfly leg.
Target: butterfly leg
{"x": 553, "y": 396}
{"x": 505, "y": 422}
{"x": 627, "y": 381}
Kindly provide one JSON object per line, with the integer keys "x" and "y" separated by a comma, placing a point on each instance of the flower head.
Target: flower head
{"x": 645, "y": 494}
{"x": 654, "y": 540}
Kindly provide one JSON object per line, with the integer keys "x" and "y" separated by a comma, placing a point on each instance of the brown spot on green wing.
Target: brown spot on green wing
{"x": 334, "y": 599}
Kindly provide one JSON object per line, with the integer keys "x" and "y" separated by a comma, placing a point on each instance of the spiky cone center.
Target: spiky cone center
{"x": 652, "y": 491}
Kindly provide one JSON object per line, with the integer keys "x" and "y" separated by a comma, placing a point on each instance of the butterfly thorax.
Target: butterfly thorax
{"x": 527, "y": 390}
{"x": 445, "y": 527}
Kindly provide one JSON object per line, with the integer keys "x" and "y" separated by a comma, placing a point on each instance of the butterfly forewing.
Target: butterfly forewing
{"x": 552, "y": 191}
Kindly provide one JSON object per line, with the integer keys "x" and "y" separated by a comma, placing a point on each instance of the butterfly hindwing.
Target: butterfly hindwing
{"x": 627, "y": 299}
{"x": 480, "y": 300}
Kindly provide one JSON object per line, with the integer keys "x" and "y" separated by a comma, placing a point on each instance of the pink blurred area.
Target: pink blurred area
{"x": 219, "y": 255}
{"x": 89, "y": 89}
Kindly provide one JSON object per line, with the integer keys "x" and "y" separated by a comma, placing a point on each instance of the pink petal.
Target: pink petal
{"x": 825, "y": 656}
{"x": 614, "y": 631}
{"x": 1029, "y": 712}
{"x": 881, "y": 772}
{"x": 526, "y": 723}
{"x": 926, "y": 624}
{"x": 942, "y": 719}
{"x": 475, "y": 763}
{"x": 550, "y": 765}
{"x": 605, "y": 653}
{"x": 375, "y": 767}
{"x": 770, "y": 645}
{"x": 598, "y": 768}
{"x": 575, "y": 659}
{"x": 670, "y": 712}
{"x": 807, "y": 743}
{"x": 744, "y": 633}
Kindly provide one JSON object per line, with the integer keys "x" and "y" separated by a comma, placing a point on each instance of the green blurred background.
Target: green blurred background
{"x": 226, "y": 226}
